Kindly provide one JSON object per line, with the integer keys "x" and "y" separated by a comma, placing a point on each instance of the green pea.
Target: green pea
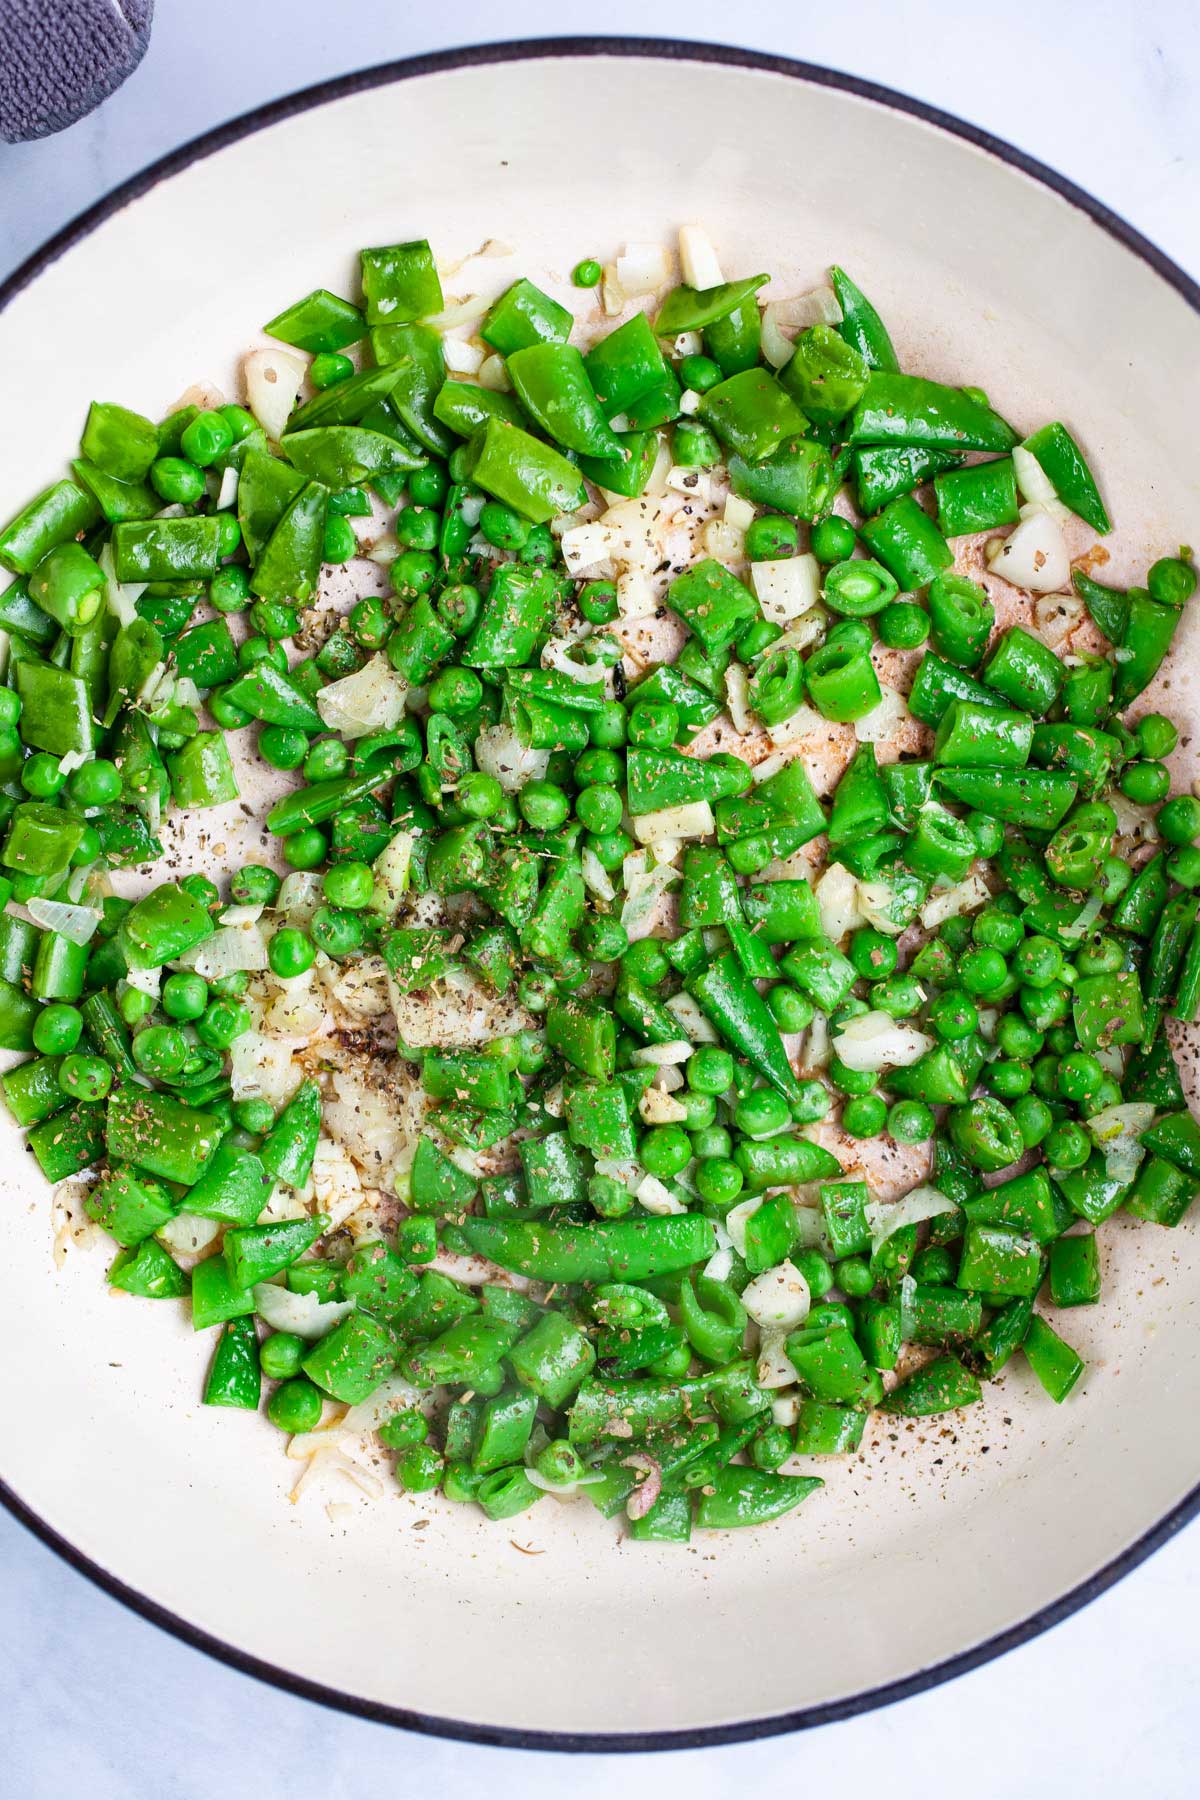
{"x": 479, "y": 795}
{"x": 719, "y": 1181}
{"x": 873, "y": 954}
{"x": 229, "y": 533}
{"x": 460, "y": 605}
{"x": 418, "y": 527}
{"x": 229, "y": 590}
{"x": 598, "y": 602}
{"x": 771, "y": 1448}
{"x": 339, "y": 543}
{"x": 709, "y": 1070}
{"x": 281, "y": 1354}
{"x": 456, "y": 692}
{"x": 1179, "y": 820}
{"x": 599, "y": 809}
{"x": 853, "y": 1275}
{"x": 1034, "y": 1119}
{"x": 1008, "y": 1079}
{"x": 412, "y": 572}
{"x": 910, "y": 1122}
{"x": 290, "y": 952}
{"x": 161, "y": 1051}
{"x": 88, "y": 848}
{"x": 96, "y": 783}
{"x": 761, "y": 1113}
{"x": 790, "y": 1009}
{"x": 902, "y": 625}
{"x": 85, "y": 1077}
{"x": 184, "y": 996}
{"x": 646, "y": 962}
{"x": 586, "y": 274}
{"x": 305, "y": 849}
{"x": 812, "y": 1102}
{"x": 699, "y": 373}
{"x": 178, "y": 482}
{"x": 326, "y": 760}
{"x": 1067, "y": 1146}
{"x": 953, "y": 1015}
{"x": 599, "y": 768}
{"x": 296, "y": 1405}
{"x": 982, "y": 972}
{"x": 1145, "y": 783}
{"x": 254, "y": 1115}
{"x": 852, "y": 634}
{"x": 1172, "y": 580}
{"x": 282, "y": 746}
{"x": 664, "y": 1151}
{"x": 832, "y": 539}
{"x": 864, "y": 1116}
{"x": 1079, "y": 1075}
{"x": 655, "y": 723}
{"x": 134, "y": 1006}
{"x": 223, "y": 1021}
{"x": 57, "y": 1029}
{"x": 274, "y": 619}
{"x": 539, "y": 546}
{"x": 503, "y": 527}
{"x": 10, "y": 706}
{"x": 543, "y": 805}
{"x": 41, "y": 776}
{"x": 327, "y": 368}
{"x": 429, "y": 486}
{"x": 1038, "y": 962}
{"x": 1101, "y": 955}
{"x": 603, "y": 937}
{"x": 771, "y": 538}
{"x": 337, "y": 932}
{"x": 1016, "y": 1037}
{"x": 1156, "y": 736}
{"x": 403, "y": 1430}
{"x": 254, "y": 885}
{"x": 349, "y": 884}
{"x": 369, "y": 623}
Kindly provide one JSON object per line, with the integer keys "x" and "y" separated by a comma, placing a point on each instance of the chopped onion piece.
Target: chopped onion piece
{"x": 1057, "y": 615}
{"x": 227, "y": 492}
{"x": 587, "y": 546}
{"x": 500, "y": 752}
{"x": 1035, "y": 485}
{"x": 739, "y": 513}
{"x": 883, "y": 720}
{"x": 273, "y": 379}
{"x": 805, "y": 722}
{"x": 1034, "y": 556}
{"x": 874, "y": 1040}
{"x": 919, "y": 1204}
{"x": 462, "y": 357}
{"x": 688, "y": 343}
{"x": 775, "y": 1368}
{"x": 692, "y": 1019}
{"x": 645, "y": 885}
{"x": 372, "y": 699}
{"x": 698, "y": 258}
{"x": 656, "y": 1107}
{"x": 786, "y": 588}
{"x": 737, "y": 696}
{"x": 596, "y": 878}
{"x": 229, "y": 951}
{"x": 642, "y": 268}
{"x": 391, "y": 868}
{"x": 654, "y": 1056}
{"x": 721, "y": 541}
{"x": 75, "y": 923}
{"x": 785, "y": 1409}
{"x": 1116, "y": 1131}
{"x": 119, "y": 596}
{"x": 778, "y": 1299}
{"x": 738, "y": 1217}
{"x": 636, "y": 596}
{"x": 494, "y": 375}
{"x": 964, "y": 896}
{"x": 393, "y": 1395}
{"x": 187, "y": 1234}
{"x": 304, "y": 1314}
{"x": 261, "y": 1068}
{"x": 692, "y": 820}
{"x": 719, "y": 1266}
{"x": 658, "y": 1199}
{"x": 837, "y": 898}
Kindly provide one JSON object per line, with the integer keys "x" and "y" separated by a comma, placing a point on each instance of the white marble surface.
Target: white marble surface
{"x": 96, "y": 1702}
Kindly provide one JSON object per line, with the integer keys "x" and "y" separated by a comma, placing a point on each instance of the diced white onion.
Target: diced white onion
{"x": 881, "y": 722}
{"x": 964, "y": 896}
{"x": 596, "y": 878}
{"x": 645, "y": 884}
{"x": 1034, "y": 556}
{"x": 1035, "y": 486}
{"x": 187, "y": 1234}
{"x": 299, "y": 896}
{"x": 698, "y": 258}
{"x": 737, "y": 697}
{"x": 654, "y": 1056}
{"x": 273, "y": 379}
{"x": 227, "y": 492}
{"x": 721, "y": 541}
{"x": 462, "y": 357}
{"x": 390, "y": 869}
{"x": 500, "y": 752}
{"x": 1057, "y": 615}
{"x": 636, "y": 597}
{"x": 738, "y": 512}
{"x": 874, "y": 1040}
{"x": 877, "y": 904}
{"x": 261, "y": 1068}
{"x": 494, "y": 375}
{"x": 658, "y": 1199}
{"x": 774, "y": 1368}
{"x": 657, "y": 1107}
{"x": 586, "y": 546}
{"x": 75, "y": 923}
{"x": 692, "y": 820}
{"x": 641, "y": 268}
{"x": 787, "y": 587}
{"x": 778, "y": 1299}
{"x": 372, "y": 699}
{"x": 1116, "y": 1131}
{"x": 738, "y": 1217}
{"x": 919, "y": 1204}
{"x": 805, "y": 722}
{"x": 304, "y": 1314}
{"x": 837, "y": 899}
{"x": 229, "y": 951}
{"x": 785, "y": 1409}
{"x": 336, "y": 1182}
{"x": 688, "y": 343}
{"x": 119, "y": 595}
{"x": 692, "y": 1019}
{"x": 719, "y": 1266}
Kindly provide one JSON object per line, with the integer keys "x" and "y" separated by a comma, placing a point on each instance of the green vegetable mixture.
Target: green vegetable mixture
{"x": 703, "y": 1283}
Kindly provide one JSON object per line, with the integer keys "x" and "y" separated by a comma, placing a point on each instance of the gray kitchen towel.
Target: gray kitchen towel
{"x": 60, "y": 58}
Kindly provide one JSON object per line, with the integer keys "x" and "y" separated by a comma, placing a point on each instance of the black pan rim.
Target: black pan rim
{"x": 667, "y": 50}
